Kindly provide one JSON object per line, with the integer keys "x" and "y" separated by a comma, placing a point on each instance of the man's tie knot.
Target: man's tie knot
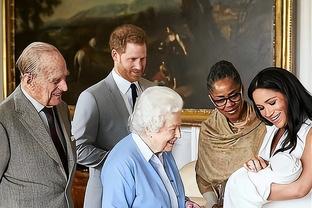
{"x": 48, "y": 111}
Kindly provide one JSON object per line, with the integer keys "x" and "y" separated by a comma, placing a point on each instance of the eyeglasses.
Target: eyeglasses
{"x": 222, "y": 102}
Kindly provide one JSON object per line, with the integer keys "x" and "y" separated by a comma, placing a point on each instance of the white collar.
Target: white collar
{"x": 122, "y": 84}
{"x": 38, "y": 106}
{"x": 144, "y": 149}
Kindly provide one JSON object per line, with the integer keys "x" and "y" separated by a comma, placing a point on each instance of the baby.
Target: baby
{"x": 251, "y": 189}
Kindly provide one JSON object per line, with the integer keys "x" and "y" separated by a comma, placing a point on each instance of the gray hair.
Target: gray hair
{"x": 153, "y": 108}
{"x": 30, "y": 61}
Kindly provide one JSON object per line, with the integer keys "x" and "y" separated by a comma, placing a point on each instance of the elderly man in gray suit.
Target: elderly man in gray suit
{"x": 37, "y": 160}
{"x": 102, "y": 111}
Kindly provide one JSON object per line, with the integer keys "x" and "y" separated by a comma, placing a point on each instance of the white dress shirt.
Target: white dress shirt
{"x": 124, "y": 87}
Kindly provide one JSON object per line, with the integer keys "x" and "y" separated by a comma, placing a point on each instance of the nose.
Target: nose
{"x": 268, "y": 112}
{"x": 229, "y": 103}
{"x": 63, "y": 85}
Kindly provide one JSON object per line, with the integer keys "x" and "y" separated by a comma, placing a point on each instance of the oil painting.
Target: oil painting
{"x": 185, "y": 38}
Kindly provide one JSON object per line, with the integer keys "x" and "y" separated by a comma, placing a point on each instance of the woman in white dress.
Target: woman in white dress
{"x": 285, "y": 106}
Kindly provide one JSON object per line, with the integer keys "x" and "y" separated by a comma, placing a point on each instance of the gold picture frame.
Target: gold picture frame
{"x": 283, "y": 45}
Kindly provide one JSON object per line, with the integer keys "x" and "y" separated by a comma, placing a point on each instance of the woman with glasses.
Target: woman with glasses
{"x": 230, "y": 136}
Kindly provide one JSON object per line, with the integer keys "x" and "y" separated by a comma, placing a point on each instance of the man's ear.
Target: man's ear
{"x": 115, "y": 55}
{"x": 28, "y": 77}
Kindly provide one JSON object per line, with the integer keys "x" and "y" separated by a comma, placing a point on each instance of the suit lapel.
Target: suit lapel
{"x": 144, "y": 84}
{"x": 62, "y": 115}
{"x": 32, "y": 122}
{"x": 116, "y": 97}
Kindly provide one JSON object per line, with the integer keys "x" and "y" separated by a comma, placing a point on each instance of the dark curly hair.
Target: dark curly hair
{"x": 220, "y": 70}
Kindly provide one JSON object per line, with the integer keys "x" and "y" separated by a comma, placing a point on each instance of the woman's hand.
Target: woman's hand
{"x": 191, "y": 204}
{"x": 256, "y": 164}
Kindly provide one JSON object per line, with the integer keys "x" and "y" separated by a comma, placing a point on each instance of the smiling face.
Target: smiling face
{"x": 272, "y": 106}
{"x": 167, "y": 135}
{"x": 229, "y": 91}
{"x": 131, "y": 63}
{"x": 49, "y": 83}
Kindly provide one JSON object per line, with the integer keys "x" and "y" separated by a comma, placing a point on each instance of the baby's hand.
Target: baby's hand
{"x": 256, "y": 164}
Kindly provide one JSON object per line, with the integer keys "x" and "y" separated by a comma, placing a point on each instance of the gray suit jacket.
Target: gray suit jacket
{"x": 100, "y": 121}
{"x": 31, "y": 171}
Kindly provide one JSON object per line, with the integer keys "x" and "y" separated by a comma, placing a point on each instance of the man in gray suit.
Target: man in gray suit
{"x": 36, "y": 169}
{"x": 102, "y": 111}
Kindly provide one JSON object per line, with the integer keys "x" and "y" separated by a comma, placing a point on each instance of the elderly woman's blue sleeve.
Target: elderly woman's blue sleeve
{"x": 118, "y": 186}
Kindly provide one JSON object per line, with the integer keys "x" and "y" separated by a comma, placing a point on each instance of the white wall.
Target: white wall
{"x": 185, "y": 148}
{"x": 304, "y": 43}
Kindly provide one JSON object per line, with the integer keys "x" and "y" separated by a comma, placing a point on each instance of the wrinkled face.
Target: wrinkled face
{"x": 272, "y": 105}
{"x": 49, "y": 84}
{"x": 130, "y": 64}
{"x": 167, "y": 135}
{"x": 227, "y": 97}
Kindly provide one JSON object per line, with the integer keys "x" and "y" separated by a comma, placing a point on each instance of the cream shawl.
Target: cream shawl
{"x": 222, "y": 151}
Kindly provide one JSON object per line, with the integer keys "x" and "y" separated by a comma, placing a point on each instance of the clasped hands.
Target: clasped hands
{"x": 256, "y": 164}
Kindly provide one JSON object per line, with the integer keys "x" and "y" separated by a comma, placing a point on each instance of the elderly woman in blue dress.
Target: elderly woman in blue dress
{"x": 140, "y": 171}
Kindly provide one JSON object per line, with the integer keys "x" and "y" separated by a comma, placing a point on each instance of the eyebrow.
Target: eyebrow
{"x": 269, "y": 99}
{"x": 231, "y": 93}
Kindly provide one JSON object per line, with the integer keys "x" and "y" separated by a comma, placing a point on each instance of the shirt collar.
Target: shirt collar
{"x": 38, "y": 106}
{"x": 122, "y": 84}
{"x": 144, "y": 149}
